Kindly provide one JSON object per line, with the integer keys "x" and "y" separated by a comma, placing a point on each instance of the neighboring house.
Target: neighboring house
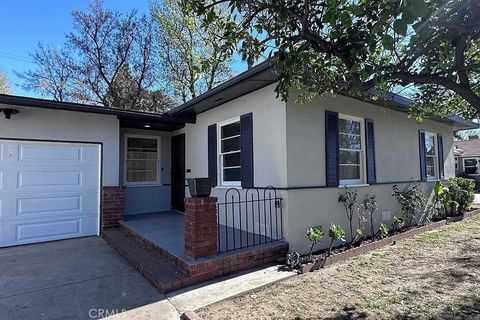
{"x": 57, "y": 158}
{"x": 467, "y": 154}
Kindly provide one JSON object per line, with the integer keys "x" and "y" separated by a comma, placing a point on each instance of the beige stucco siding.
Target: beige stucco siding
{"x": 269, "y": 136}
{"x": 43, "y": 124}
{"x": 396, "y": 153}
{"x": 396, "y": 140}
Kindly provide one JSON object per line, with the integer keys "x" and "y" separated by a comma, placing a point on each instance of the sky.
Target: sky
{"x": 25, "y": 23}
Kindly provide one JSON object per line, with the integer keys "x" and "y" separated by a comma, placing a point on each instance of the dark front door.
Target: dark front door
{"x": 178, "y": 172}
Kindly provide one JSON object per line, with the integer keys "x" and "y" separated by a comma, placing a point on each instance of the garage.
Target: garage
{"x": 48, "y": 191}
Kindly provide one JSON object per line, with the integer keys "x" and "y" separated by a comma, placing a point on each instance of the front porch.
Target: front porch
{"x": 165, "y": 229}
{"x": 162, "y": 236}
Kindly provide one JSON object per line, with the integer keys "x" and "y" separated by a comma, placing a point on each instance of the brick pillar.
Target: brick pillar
{"x": 113, "y": 206}
{"x": 201, "y": 227}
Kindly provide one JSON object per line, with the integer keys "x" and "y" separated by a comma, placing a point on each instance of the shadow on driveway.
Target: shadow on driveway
{"x": 70, "y": 279}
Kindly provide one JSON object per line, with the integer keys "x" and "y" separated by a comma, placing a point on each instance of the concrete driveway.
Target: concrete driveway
{"x": 71, "y": 279}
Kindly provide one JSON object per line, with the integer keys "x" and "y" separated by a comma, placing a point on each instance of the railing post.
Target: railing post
{"x": 201, "y": 227}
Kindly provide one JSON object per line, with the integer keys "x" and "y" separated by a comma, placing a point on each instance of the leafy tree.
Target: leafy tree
{"x": 108, "y": 59}
{"x": 193, "y": 59}
{"x": 4, "y": 86}
{"x": 428, "y": 49}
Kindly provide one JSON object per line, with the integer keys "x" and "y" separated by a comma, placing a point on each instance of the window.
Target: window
{"x": 431, "y": 155}
{"x": 141, "y": 160}
{"x": 351, "y": 155}
{"x": 456, "y": 163}
{"x": 229, "y": 152}
{"x": 470, "y": 165}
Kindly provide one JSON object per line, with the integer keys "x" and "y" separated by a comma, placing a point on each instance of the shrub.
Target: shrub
{"x": 335, "y": 233}
{"x": 314, "y": 235}
{"x": 461, "y": 191}
{"x": 383, "y": 231}
{"x": 411, "y": 199}
{"x": 349, "y": 201}
{"x": 367, "y": 209}
{"x": 397, "y": 224}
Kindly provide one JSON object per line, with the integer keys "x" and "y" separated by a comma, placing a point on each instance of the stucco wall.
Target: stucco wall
{"x": 396, "y": 140}
{"x": 148, "y": 198}
{"x": 43, "y": 124}
{"x": 269, "y": 137}
{"x": 396, "y": 153}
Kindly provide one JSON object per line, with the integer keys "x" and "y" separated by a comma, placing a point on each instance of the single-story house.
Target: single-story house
{"x": 67, "y": 169}
{"x": 467, "y": 154}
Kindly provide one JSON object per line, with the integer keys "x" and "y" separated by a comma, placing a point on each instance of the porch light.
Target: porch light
{"x": 8, "y": 112}
{"x": 147, "y": 126}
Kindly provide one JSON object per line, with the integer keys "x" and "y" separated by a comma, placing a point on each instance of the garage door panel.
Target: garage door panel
{"x": 42, "y": 179}
{"x": 49, "y": 205}
{"x": 17, "y": 233}
{"x": 48, "y": 191}
{"x": 38, "y": 152}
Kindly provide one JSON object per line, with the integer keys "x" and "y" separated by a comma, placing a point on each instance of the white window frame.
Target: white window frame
{"x": 125, "y": 155}
{"x": 220, "y": 168}
{"x": 363, "y": 169}
{"x": 471, "y": 158}
{"x": 435, "y": 156}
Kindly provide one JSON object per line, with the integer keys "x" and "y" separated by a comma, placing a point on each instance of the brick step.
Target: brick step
{"x": 161, "y": 272}
{"x": 154, "y": 247}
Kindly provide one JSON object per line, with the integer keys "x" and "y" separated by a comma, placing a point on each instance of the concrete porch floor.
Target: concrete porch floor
{"x": 166, "y": 230}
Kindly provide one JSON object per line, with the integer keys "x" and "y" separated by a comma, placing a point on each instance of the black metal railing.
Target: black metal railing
{"x": 248, "y": 218}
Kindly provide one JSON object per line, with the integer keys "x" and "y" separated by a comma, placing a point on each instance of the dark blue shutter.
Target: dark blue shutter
{"x": 370, "y": 153}
{"x": 441, "y": 160}
{"x": 246, "y": 127}
{"x": 423, "y": 155}
{"x": 331, "y": 148}
{"x": 212, "y": 153}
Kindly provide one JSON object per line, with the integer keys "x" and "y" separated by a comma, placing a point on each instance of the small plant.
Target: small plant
{"x": 411, "y": 199}
{"x": 383, "y": 231}
{"x": 367, "y": 209}
{"x": 397, "y": 224}
{"x": 461, "y": 191}
{"x": 335, "y": 233}
{"x": 349, "y": 201}
{"x": 314, "y": 235}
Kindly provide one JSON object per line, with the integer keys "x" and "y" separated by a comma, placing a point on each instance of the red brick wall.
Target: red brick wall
{"x": 201, "y": 227}
{"x": 113, "y": 206}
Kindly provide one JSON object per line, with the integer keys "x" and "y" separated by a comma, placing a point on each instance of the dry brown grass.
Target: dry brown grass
{"x": 435, "y": 275}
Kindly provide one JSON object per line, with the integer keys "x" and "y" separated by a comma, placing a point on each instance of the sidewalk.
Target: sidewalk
{"x": 195, "y": 297}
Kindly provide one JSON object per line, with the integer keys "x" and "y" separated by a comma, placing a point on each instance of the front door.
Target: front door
{"x": 178, "y": 172}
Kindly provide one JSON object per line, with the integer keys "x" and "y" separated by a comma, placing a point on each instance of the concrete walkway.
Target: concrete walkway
{"x": 199, "y": 296}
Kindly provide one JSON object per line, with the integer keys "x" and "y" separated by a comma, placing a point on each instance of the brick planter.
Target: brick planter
{"x": 201, "y": 226}
{"x": 342, "y": 256}
{"x": 113, "y": 206}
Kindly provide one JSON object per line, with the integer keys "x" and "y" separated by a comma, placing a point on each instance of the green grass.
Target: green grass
{"x": 435, "y": 275}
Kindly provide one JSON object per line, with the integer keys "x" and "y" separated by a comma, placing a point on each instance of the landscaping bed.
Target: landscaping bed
{"x": 325, "y": 260}
{"x": 433, "y": 275}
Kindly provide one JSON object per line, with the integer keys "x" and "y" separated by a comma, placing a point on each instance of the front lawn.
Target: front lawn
{"x": 435, "y": 275}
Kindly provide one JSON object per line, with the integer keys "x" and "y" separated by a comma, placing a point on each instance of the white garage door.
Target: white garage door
{"x": 48, "y": 191}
